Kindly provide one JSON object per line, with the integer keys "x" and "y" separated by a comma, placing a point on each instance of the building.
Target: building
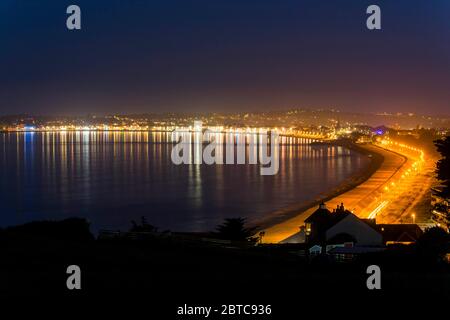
{"x": 340, "y": 228}
{"x": 399, "y": 233}
{"x": 343, "y": 234}
{"x": 440, "y": 213}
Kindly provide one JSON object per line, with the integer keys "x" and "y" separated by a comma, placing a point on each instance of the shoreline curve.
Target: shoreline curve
{"x": 384, "y": 164}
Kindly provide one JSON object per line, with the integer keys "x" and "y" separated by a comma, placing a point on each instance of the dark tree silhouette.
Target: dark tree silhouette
{"x": 234, "y": 229}
{"x": 143, "y": 227}
{"x": 72, "y": 229}
{"x": 433, "y": 243}
{"x": 354, "y": 136}
{"x": 443, "y": 165}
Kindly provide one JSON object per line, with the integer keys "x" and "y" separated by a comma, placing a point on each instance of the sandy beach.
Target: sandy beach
{"x": 357, "y": 194}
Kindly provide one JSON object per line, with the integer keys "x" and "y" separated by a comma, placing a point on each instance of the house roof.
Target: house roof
{"x": 318, "y": 215}
{"x": 326, "y": 218}
{"x": 400, "y": 232}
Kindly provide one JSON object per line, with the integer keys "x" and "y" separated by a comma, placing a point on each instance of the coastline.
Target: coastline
{"x": 285, "y": 222}
{"x": 348, "y": 184}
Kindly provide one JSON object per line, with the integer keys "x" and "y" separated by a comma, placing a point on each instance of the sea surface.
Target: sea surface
{"x": 112, "y": 178}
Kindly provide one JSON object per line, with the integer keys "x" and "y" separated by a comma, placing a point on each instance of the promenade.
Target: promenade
{"x": 363, "y": 200}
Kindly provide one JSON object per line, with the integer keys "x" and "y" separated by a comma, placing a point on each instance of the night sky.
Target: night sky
{"x": 224, "y": 55}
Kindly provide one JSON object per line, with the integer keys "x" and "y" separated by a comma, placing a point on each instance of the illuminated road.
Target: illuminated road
{"x": 410, "y": 202}
{"x": 389, "y": 194}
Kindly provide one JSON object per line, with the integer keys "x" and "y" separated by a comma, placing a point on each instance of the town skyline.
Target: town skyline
{"x": 290, "y": 118}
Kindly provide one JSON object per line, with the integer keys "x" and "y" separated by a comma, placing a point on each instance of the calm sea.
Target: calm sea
{"x": 111, "y": 178}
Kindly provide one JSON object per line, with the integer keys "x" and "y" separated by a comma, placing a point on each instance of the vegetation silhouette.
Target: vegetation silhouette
{"x": 433, "y": 244}
{"x": 234, "y": 229}
{"x": 443, "y": 165}
{"x": 143, "y": 227}
{"x": 72, "y": 229}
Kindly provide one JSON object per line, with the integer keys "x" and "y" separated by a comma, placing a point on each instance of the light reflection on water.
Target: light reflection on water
{"x": 112, "y": 178}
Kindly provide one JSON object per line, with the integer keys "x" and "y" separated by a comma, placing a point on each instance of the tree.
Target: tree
{"x": 234, "y": 229}
{"x": 443, "y": 165}
{"x": 433, "y": 243}
{"x": 72, "y": 229}
{"x": 143, "y": 227}
{"x": 355, "y": 135}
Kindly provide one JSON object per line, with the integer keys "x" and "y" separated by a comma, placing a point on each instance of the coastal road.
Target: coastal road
{"x": 364, "y": 200}
{"x": 412, "y": 200}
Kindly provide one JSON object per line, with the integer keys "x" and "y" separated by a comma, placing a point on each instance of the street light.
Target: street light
{"x": 261, "y": 236}
{"x": 414, "y": 218}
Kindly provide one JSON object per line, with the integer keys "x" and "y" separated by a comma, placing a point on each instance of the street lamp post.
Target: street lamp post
{"x": 261, "y": 236}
